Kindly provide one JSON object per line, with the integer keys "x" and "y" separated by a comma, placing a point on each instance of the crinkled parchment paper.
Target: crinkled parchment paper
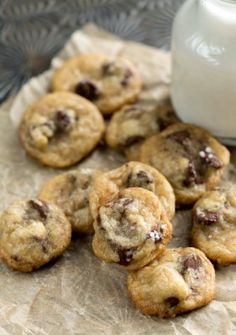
{"x": 80, "y": 294}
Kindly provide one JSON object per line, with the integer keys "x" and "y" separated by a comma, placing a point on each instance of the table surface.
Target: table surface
{"x": 32, "y": 32}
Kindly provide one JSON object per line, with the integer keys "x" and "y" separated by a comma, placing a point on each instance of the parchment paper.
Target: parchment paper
{"x": 79, "y": 294}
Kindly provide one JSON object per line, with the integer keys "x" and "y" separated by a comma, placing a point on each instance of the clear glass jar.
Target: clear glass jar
{"x": 204, "y": 65}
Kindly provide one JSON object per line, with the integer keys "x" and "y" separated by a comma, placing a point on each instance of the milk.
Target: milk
{"x": 204, "y": 65}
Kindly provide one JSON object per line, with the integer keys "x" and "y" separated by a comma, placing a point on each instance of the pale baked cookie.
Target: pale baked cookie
{"x": 131, "y": 229}
{"x": 130, "y": 126}
{"x": 181, "y": 280}
{"x": 61, "y": 128}
{"x": 190, "y": 158}
{"x": 214, "y": 225}
{"x": 131, "y": 174}
{"x": 70, "y": 191}
{"x": 32, "y": 233}
{"x": 108, "y": 82}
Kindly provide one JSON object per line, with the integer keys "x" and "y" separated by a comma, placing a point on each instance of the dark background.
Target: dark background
{"x": 33, "y": 31}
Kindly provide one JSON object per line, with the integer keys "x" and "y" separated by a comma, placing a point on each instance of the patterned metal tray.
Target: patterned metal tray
{"x": 33, "y": 31}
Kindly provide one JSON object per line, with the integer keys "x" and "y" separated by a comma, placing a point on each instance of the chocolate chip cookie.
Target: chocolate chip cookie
{"x": 131, "y": 229}
{"x": 132, "y": 174}
{"x": 214, "y": 225}
{"x": 130, "y": 126}
{"x": 190, "y": 158}
{"x": 108, "y": 82}
{"x": 32, "y": 233}
{"x": 181, "y": 280}
{"x": 70, "y": 191}
{"x": 61, "y": 128}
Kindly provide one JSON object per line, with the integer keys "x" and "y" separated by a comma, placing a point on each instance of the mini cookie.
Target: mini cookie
{"x": 131, "y": 229}
{"x": 181, "y": 280}
{"x": 214, "y": 225}
{"x": 190, "y": 158}
{"x": 109, "y": 83}
{"x": 32, "y": 233}
{"x": 130, "y": 126}
{"x": 70, "y": 191}
{"x": 61, "y": 128}
{"x": 132, "y": 174}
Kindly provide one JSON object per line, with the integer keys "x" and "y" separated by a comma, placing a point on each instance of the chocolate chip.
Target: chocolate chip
{"x": 181, "y": 137}
{"x": 207, "y": 156}
{"x": 84, "y": 203}
{"x": 72, "y": 178}
{"x": 191, "y": 262}
{"x": 87, "y": 89}
{"x": 140, "y": 179}
{"x": 132, "y": 140}
{"x": 126, "y": 202}
{"x": 125, "y": 81}
{"x": 15, "y": 258}
{"x": 41, "y": 207}
{"x": 172, "y": 301}
{"x": 125, "y": 256}
{"x": 154, "y": 235}
{"x": 206, "y": 217}
{"x": 44, "y": 246}
{"x": 108, "y": 68}
{"x": 62, "y": 120}
{"x": 43, "y": 243}
{"x": 192, "y": 176}
{"x": 215, "y": 162}
{"x": 133, "y": 108}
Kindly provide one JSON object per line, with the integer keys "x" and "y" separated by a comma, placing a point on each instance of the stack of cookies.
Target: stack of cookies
{"x": 128, "y": 210}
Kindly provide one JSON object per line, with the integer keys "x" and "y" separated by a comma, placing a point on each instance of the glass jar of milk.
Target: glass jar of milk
{"x": 204, "y": 65}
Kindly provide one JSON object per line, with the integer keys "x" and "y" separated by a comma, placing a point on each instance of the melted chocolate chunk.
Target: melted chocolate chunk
{"x": 62, "y": 120}
{"x": 108, "y": 68}
{"x": 125, "y": 256}
{"x": 207, "y": 217}
{"x": 182, "y": 137}
{"x": 125, "y": 81}
{"x": 192, "y": 262}
{"x": 155, "y": 236}
{"x": 41, "y": 207}
{"x": 172, "y": 301}
{"x": 207, "y": 156}
{"x": 87, "y": 89}
{"x": 192, "y": 175}
{"x": 132, "y": 140}
{"x": 141, "y": 179}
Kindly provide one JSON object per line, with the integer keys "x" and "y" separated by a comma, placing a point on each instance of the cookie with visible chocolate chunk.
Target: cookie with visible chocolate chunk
{"x": 181, "y": 280}
{"x": 131, "y": 229}
{"x": 214, "y": 225}
{"x": 191, "y": 159}
{"x": 32, "y": 233}
{"x": 70, "y": 191}
{"x": 130, "y": 126}
{"x": 61, "y": 128}
{"x": 131, "y": 174}
{"x": 108, "y": 82}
